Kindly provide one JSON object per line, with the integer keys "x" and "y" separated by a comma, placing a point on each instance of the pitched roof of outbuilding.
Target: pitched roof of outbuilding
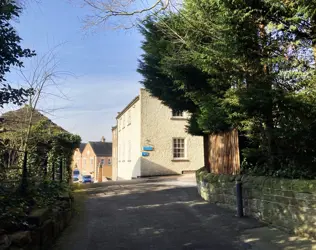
{"x": 19, "y": 119}
{"x": 101, "y": 148}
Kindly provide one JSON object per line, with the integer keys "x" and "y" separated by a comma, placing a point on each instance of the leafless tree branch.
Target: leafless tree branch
{"x": 43, "y": 80}
{"x": 127, "y": 13}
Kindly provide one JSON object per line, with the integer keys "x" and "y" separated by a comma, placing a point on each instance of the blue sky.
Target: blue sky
{"x": 102, "y": 67}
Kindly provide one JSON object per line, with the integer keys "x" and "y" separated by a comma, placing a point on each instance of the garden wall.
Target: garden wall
{"x": 284, "y": 203}
{"x": 44, "y": 226}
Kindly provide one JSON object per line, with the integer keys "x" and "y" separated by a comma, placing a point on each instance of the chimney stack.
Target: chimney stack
{"x": 102, "y": 139}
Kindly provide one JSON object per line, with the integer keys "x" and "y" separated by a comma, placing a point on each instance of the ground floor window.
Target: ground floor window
{"x": 179, "y": 150}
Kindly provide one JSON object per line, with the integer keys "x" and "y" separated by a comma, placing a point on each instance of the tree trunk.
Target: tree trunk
{"x": 269, "y": 108}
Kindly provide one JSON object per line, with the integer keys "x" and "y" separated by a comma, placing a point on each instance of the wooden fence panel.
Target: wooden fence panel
{"x": 224, "y": 153}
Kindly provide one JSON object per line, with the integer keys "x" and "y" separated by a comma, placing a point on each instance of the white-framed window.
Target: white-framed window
{"x": 176, "y": 113}
{"x": 129, "y": 156}
{"x": 129, "y": 117}
{"x": 179, "y": 148}
{"x": 91, "y": 162}
{"x": 102, "y": 162}
{"x": 109, "y": 161}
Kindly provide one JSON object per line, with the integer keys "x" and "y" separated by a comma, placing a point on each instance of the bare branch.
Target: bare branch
{"x": 126, "y": 13}
{"x": 43, "y": 79}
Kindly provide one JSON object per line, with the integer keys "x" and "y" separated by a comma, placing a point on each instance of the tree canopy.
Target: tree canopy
{"x": 241, "y": 64}
{"x": 11, "y": 53}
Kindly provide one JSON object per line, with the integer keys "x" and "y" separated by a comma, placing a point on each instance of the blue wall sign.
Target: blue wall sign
{"x": 148, "y": 148}
{"x": 145, "y": 154}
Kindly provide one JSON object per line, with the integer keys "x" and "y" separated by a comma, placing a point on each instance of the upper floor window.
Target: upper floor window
{"x": 109, "y": 161}
{"x": 176, "y": 113}
{"x": 102, "y": 162}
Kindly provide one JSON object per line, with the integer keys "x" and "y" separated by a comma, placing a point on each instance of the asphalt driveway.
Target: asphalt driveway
{"x": 163, "y": 213}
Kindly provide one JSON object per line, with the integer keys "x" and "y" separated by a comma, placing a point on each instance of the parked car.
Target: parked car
{"x": 76, "y": 175}
{"x": 75, "y": 180}
{"x": 87, "y": 179}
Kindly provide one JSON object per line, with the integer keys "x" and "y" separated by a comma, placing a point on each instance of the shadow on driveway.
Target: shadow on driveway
{"x": 142, "y": 215}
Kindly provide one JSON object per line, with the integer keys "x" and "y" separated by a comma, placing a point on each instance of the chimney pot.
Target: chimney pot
{"x": 102, "y": 139}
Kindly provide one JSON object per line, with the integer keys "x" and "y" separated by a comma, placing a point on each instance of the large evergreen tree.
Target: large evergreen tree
{"x": 11, "y": 52}
{"x": 246, "y": 65}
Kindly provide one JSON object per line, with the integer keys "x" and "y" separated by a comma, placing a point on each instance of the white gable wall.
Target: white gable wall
{"x": 129, "y": 143}
{"x": 158, "y": 128}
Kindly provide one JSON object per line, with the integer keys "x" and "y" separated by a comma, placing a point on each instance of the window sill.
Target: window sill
{"x": 179, "y": 118}
{"x": 181, "y": 160}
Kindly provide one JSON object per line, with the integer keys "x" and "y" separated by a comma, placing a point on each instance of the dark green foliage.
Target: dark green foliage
{"x": 246, "y": 65}
{"x": 11, "y": 53}
{"x": 48, "y": 144}
{"x": 14, "y": 208}
{"x": 155, "y": 79}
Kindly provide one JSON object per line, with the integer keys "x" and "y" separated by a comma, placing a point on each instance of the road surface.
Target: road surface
{"x": 161, "y": 213}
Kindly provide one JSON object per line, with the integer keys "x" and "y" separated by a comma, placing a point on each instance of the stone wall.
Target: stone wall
{"x": 284, "y": 203}
{"x": 44, "y": 225}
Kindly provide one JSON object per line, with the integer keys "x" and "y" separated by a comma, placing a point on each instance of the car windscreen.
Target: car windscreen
{"x": 76, "y": 172}
{"x": 87, "y": 176}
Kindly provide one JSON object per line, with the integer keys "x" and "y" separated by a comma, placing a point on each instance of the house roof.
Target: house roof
{"x": 19, "y": 119}
{"x": 101, "y": 148}
{"x": 127, "y": 107}
{"x": 82, "y": 146}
